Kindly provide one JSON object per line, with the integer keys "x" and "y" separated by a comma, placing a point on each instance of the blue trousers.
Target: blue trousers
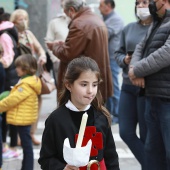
{"x": 157, "y": 145}
{"x": 131, "y": 113}
{"x": 112, "y": 103}
{"x": 26, "y": 143}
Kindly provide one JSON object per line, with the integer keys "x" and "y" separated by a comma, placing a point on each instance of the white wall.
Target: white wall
{"x": 126, "y": 8}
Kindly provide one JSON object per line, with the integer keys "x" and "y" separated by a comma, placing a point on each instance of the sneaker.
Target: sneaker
{"x": 5, "y": 148}
{"x": 10, "y": 155}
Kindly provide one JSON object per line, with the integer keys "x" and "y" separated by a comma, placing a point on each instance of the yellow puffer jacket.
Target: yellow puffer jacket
{"x": 22, "y": 103}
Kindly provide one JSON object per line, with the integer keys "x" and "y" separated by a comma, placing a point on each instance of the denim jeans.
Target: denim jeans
{"x": 112, "y": 103}
{"x": 157, "y": 145}
{"x": 131, "y": 113}
{"x": 2, "y": 78}
{"x": 26, "y": 143}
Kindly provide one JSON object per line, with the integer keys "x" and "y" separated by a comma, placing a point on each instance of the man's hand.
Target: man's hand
{"x": 50, "y": 45}
{"x": 131, "y": 73}
{"x": 140, "y": 82}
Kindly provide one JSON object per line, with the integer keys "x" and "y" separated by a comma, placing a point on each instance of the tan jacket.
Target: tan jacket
{"x": 87, "y": 36}
{"x": 22, "y": 103}
{"x": 57, "y": 30}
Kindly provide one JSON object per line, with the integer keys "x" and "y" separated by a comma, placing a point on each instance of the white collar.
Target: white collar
{"x": 71, "y": 106}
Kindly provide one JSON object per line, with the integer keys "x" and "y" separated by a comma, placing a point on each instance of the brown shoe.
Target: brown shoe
{"x": 35, "y": 141}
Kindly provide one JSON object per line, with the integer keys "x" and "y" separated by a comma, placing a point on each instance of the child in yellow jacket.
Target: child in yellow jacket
{"x": 22, "y": 104}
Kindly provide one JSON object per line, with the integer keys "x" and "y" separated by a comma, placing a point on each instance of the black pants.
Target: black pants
{"x": 12, "y": 132}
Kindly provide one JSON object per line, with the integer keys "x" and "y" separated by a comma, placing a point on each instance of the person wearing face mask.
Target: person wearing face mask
{"x": 150, "y": 66}
{"x": 132, "y": 103}
{"x": 87, "y": 36}
{"x": 21, "y": 20}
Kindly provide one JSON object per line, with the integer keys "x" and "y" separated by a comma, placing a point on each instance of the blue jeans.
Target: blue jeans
{"x": 26, "y": 143}
{"x": 131, "y": 112}
{"x": 157, "y": 145}
{"x": 112, "y": 103}
{"x": 2, "y": 78}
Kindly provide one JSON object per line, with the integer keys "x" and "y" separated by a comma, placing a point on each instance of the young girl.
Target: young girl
{"x": 80, "y": 94}
{"x": 22, "y": 105}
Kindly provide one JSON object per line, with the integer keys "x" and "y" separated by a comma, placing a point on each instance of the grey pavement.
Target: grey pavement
{"x": 127, "y": 160}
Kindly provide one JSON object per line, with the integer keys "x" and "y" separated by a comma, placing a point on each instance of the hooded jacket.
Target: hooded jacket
{"x": 7, "y": 44}
{"x": 9, "y": 41}
{"x": 22, "y": 103}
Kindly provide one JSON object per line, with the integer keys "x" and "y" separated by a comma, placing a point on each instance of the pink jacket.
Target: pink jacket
{"x": 7, "y": 44}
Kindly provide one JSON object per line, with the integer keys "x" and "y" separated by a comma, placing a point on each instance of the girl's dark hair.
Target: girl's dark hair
{"x": 27, "y": 63}
{"x": 111, "y": 2}
{"x": 3, "y": 15}
{"x": 73, "y": 72}
{"x": 2, "y": 10}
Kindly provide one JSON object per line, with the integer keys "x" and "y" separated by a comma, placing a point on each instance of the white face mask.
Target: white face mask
{"x": 143, "y": 13}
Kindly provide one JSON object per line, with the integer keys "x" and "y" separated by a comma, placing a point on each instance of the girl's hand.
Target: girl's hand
{"x": 69, "y": 167}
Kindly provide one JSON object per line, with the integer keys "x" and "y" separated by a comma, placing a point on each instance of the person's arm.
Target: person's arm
{"x": 50, "y": 36}
{"x": 156, "y": 61}
{"x": 110, "y": 154}
{"x": 49, "y": 158}
{"x": 115, "y": 28}
{"x": 7, "y": 45}
{"x": 14, "y": 98}
{"x": 137, "y": 55}
{"x": 38, "y": 48}
{"x": 74, "y": 45}
{"x": 120, "y": 53}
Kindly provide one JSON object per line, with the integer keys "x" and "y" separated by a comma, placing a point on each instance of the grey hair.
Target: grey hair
{"x": 76, "y": 4}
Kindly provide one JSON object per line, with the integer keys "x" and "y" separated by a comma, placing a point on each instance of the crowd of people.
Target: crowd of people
{"x": 88, "y": 53}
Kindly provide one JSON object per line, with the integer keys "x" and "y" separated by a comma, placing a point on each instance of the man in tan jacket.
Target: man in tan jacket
{"x": 57, "y": 31}
{"x": 87, "y": 36}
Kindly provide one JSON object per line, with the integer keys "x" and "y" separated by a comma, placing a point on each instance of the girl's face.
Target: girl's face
{"x": 142, "y": 3}
{"x": 20, "y": 72}
{"x": 84, "y": 89}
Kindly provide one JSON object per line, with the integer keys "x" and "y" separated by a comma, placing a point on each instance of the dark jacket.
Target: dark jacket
{"x": 87, "y": 36}
{"x": 151, "y": 58}
{"x": 59, "y": 126}
{"x": 11, "y": 77}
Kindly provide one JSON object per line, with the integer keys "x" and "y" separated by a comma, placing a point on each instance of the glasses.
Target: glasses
{"x": 143, "y": 2}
